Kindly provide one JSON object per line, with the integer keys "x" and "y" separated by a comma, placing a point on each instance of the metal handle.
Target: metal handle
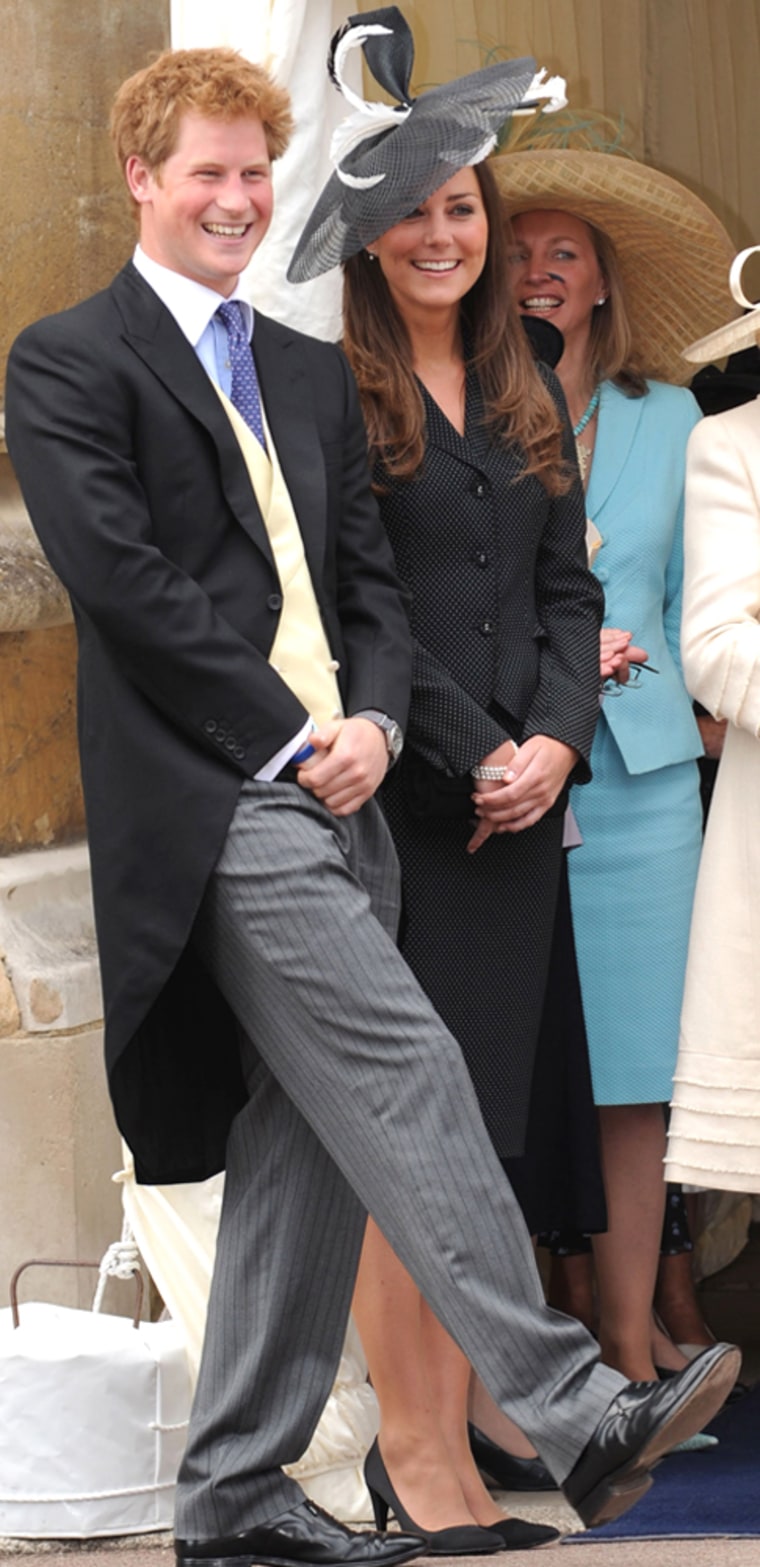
{"x": 56, "y": 1262}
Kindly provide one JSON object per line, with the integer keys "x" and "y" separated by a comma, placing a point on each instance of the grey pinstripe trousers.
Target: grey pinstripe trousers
{"x": 359, "y": 1101}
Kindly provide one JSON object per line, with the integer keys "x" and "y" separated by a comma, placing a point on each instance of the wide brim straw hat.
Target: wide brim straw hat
{"x": 733, "y": 335}
{"x": 674, "y": 253}
{"x": 389, "y": 159}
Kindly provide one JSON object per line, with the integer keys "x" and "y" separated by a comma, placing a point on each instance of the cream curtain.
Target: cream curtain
{"x": 683, "y": 73}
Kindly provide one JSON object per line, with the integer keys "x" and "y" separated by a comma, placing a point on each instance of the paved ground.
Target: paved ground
{"x": 624, "y": 1553}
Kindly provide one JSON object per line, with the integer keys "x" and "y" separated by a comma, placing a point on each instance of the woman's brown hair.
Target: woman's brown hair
{"x": 519, "y": 406}
{"x": 610, "y": 345}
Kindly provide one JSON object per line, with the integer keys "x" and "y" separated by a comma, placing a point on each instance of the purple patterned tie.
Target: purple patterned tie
{"x": 244, "y": 392}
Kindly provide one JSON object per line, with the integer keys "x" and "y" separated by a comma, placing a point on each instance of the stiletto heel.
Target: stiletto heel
{"x": 464, "y": 1540}
{"x": 379, "y": 1506}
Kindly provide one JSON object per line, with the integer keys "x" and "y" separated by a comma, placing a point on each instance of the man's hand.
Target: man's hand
{"x": 350, "y": 762}
{"x": 617, "y": 653}
{"x": 535, "y": 775}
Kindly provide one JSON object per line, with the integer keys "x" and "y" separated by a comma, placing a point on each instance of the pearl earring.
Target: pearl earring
{"x": 371, "y": 256}
{"x": 601, "y": 300}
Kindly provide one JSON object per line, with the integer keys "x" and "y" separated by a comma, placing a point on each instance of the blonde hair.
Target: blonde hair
{"x": 217, "y": 83}
{"x": 519, "y": 406}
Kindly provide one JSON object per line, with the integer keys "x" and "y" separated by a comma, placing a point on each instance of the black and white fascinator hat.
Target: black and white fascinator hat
{"x": 389, "y": 159}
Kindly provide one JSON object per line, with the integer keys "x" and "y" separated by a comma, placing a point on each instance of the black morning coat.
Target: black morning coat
{"x": 138, "y": 490}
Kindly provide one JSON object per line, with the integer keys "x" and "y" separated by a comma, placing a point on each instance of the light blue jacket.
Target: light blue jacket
{"x": 635, "y": 498}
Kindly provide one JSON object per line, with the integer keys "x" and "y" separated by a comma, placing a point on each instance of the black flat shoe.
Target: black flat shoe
{"x": 506, "y": 1471}
{"x": 463, "y": 1540}
{"x": 642, "y": 1424}
{"x": 516, "y": 1534}
{"x": 304, "y": 1536}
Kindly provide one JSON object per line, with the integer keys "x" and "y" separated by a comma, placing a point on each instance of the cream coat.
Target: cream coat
{"x": 715, "y": 1127}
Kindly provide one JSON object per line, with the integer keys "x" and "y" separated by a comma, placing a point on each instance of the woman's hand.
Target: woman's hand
{"x": 617, "y": 653}
{"x": 535, "y": 775}
{"x": 713, "y": 732}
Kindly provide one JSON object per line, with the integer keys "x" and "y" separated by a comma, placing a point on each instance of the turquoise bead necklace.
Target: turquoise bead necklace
{"x": 583, "y": 452}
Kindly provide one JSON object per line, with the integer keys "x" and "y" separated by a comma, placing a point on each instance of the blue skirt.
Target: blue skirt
{"x": 632, "y": 887}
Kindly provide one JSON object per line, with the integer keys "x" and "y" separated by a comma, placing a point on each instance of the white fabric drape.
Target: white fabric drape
{"x": 290, "y": 37}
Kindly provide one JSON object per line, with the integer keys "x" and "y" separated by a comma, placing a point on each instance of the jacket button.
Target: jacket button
{"x": 239, "y": 753}
{"x": 274, "y": 601}
{"x": 220, "y": 736}
{"x": 486, "y": 627}
{"x": 479, "y": 558}
{"x": 230, "y": 743}
{"x": 210, "y": 726}
{"x": 480, "y": 488}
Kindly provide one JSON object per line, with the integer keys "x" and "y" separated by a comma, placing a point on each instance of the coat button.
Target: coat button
{"x": 479, "y": 489}
{"x": 274, "y": 601}
{"x": 239, "y": 753}
{"x": 210, "y": 726}
{"x": 479, "y": 558}
{"x": 230, "y": 743}
{"x": 221, "y": 735}
{"x": 486, "y": 628}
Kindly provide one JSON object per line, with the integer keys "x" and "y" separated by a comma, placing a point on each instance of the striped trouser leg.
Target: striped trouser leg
{"x": 360, "y": 1100}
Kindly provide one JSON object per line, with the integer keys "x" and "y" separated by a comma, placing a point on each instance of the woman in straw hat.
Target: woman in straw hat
{"x": 624, "y": 260}
{"x": 485, "y": 513}
{"x": 714, "y": 1137}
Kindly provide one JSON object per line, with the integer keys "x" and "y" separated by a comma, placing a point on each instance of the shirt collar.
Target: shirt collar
{"x": 192, "y": 304}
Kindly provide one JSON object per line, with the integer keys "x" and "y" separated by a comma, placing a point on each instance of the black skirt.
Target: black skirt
{"x": 558, "y": 1179}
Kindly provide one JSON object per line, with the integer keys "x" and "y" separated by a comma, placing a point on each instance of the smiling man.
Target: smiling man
{"x": 200, "y": 482}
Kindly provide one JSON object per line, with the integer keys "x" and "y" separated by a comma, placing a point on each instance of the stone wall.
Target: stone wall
{"x": 67, "y": 229}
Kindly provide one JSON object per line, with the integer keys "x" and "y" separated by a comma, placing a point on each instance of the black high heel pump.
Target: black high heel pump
{"x": 509, "y": 1473}
{"x": 464, "y": 1540}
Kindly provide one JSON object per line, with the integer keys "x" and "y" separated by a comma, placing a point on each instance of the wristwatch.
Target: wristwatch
{"x": 394, "y": 738}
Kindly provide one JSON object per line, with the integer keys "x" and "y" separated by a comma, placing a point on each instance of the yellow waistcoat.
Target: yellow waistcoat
{"x": 300, "y": 652}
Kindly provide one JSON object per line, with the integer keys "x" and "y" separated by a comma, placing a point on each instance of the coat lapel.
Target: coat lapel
{"x": 618, "y": 423}
{"x": 154, "y": 336}
{"x": 474, "y": 447}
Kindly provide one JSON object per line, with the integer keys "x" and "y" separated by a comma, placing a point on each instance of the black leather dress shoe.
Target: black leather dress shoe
{"x": 304, "y": 1536}
{"x": 643, "y": 1423}
{"x": 506, "y": 1471}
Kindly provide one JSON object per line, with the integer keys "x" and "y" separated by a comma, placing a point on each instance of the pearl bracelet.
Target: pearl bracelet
{"x": 488, "y": 774}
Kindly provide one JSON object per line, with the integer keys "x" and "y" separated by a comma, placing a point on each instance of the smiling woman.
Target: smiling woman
{"x": 555, "y": 270}
{"x": 598, "y": 240}
{"x": 438, "y": 252}
{"x": 470, "y": 449}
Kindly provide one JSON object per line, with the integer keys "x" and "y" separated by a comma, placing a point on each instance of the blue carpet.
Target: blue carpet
{"x": 715, "y": 1492}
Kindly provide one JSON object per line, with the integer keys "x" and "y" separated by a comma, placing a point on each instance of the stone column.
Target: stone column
{"x": 67, "y": 229}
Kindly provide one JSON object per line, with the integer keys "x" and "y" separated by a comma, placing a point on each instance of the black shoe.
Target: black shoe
{"x": 304, "y": 1536}
{"x": 516, "y": 1534}
{"x": 508, "y": 1472}
{"x": 463, "y": 1540}
{"x": 666, "y": 1373}
{"x": 643, "y": 1423}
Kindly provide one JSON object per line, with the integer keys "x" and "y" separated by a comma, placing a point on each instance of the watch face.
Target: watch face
{"x": 395, "y": 741}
